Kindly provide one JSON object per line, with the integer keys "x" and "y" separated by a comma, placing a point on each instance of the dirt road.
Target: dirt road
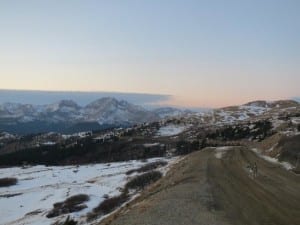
{"x": 213, "y": 187}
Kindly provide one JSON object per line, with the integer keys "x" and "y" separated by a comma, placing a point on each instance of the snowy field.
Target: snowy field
{"x": 39, "y": 187}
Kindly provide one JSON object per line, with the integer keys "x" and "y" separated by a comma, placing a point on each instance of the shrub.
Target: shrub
{"x": 72, "y": 204}
{"x": 67, "y": 222}
{"x": 77, "y": 199}
{"x": 108, "y": 206}
{"x": 183, "y": 147}
{"x": 141, "y": 181}
{"x": 8, "y": 181}
{"x": 147, "y": 167}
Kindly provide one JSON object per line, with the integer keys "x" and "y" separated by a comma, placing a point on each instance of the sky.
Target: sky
{"x": 201, "y": 53}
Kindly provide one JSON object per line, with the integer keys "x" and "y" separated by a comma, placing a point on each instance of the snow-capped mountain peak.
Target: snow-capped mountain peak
{"x": 63, "y": 105}
{"x": 111, "y": 110}
{"x": 67, "y": 113}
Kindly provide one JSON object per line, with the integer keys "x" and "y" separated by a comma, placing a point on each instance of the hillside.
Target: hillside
{"x": 212, "y": 183}
{"x": 214, "y": 186}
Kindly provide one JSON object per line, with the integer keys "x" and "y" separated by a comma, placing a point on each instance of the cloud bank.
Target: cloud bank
{"x": 82, "y": 98}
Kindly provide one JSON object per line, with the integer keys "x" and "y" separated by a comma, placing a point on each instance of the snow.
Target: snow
{"x": 295, "y": 120}
{"x": 290, "y": 133}
{"x": 149, "y": 145}
{"x": 241, "y": 113}
{"x": 5, "y": 135}
{"x": 272, "y": 148}
{"x": 171, "y": 130}
{"x": 285, "y": 165}
{"x": 40, "y": 187}
{"x": 103, "y": 111}
{"x": 257, "y": 110}
{"x": 220, "y": 151}
{"x": 48, "y": 143}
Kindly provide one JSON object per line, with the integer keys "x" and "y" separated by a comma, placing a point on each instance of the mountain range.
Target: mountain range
{"x": 67, "y": 116}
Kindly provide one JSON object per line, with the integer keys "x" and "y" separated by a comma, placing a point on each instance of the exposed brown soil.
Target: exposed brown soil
{"x": 202, "y": 189}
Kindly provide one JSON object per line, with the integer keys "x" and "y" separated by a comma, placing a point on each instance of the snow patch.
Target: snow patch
{"x": 221, "y": 151}
{"x": 285, "y": 165}
{"x": 170, "y": 130}
{"x": 295, "y": 120}
{"x": 149, "y": 145}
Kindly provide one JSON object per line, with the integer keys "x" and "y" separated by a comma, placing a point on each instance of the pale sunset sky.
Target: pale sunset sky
{"x": 202, "y": 53}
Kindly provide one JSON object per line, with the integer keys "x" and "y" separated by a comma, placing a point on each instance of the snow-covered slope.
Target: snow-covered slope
{"x": 39, "y": 187}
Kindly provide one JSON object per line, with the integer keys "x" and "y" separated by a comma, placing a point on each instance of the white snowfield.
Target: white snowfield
{"x": 39, "y": 187}
{"x": 170, "y": 130}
